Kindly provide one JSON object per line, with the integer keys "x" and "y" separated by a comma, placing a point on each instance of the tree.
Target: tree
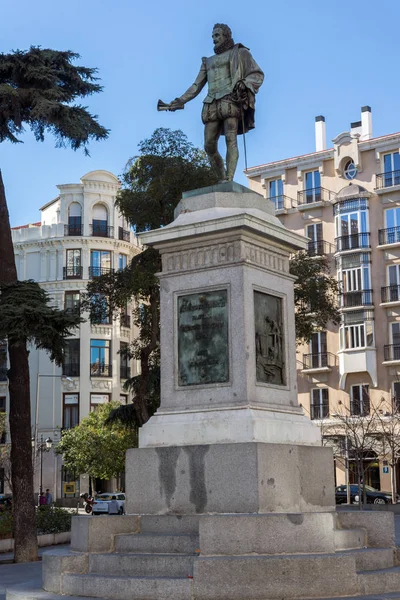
{"x": 152, "y": 185}
{"x": 389, "y": 425}
{"x": 95, "y": 449}
{"x": 315, "y": 294}
{"x": 38, "y": 89}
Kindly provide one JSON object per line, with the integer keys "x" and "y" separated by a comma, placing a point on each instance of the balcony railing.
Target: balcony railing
{"x": 73, "y": 272}
{"x": 391, "y": 352}
{"x": 358, "y": 298}
{"x": 100, "y": 370}
{"x": 99, "y": 230}
{"x": 123, "y": 234}
{"x": 282, "y": 202}
{"x": 98, "y": 271}
{"x": 390, "y": 293}
{"x": 71, "y": 369}
{"x": 3, "y": 373}
{"x": 352, "y": 242}
{"x": 313, "y": 195}
{"x": 73, "y": 230}
{"x": 124, "y": 372}
{"x": 319, "y": 248}
{"x": 389, "y": 236}
{"x": 389, "y": 179}
{"x": 360, "y": 408}
{"x": 125, "y": 321}
{"x": 319, "y": 411}
{"x": 319, "y": 360}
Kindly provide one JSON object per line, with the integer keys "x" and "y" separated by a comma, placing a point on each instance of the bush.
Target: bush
{"x": 6, "y": 523}
{"x": 51, "y": 519}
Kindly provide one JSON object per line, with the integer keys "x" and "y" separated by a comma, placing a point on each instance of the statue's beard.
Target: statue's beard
{"x": 226, "y": 45}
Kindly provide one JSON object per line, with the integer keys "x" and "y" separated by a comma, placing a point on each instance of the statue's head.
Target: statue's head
{"x": 221, "y": 34}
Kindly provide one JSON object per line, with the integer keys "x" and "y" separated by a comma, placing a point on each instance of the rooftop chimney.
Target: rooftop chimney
{"x": 320, "y": 133}
{"x": 355, "y": 128}
{"x": 366, "y": 123}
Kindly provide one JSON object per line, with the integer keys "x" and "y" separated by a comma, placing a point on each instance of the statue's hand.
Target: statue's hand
{"x": 240, "y": 87}
{"x": 176, "y": 104}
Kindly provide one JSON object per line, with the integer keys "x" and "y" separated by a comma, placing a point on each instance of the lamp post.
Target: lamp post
{"x": 45, "y": 446}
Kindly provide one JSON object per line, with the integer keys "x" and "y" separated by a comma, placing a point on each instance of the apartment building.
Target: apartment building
{"x": 346, "y": 201}
{"x": 80, "y": 236}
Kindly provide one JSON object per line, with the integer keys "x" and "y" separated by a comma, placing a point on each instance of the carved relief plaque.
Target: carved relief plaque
{"x": 269, "y": 339}
{"x": 203, "y": 344}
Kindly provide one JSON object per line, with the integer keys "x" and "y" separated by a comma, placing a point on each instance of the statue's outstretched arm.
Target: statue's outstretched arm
{"x": 194, "y": 89}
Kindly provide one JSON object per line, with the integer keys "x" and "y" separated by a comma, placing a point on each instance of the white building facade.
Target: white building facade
{"x": 80, "y": 236}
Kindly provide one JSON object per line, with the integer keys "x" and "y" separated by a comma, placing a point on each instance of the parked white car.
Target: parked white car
{"x": 109, "y": 503}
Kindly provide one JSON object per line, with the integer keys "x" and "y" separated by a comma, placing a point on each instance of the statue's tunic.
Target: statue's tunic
{"x": 222, "y": 72}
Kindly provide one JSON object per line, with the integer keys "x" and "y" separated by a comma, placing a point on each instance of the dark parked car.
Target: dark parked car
{"x": 373, "y": 496}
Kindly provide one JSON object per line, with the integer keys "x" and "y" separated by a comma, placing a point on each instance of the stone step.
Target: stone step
{"x": 348, "y": 539}
{"x": 388, "y": 596}
{"x": 170, "y": 524}
{"x": 371, "y": 559}
{"x": 142, "y": 565}
{"x": 157, "y": 543}
{"x": 127, "y": 588}
{"x": 380, "y": 581}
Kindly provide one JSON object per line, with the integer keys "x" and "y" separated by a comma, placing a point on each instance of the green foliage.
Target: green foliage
{"x": 39, "y": 87}
{"x": 152, "y": 185}
{"x": 95, "y": 449}
{"x": 26, "y": 315}
{"x": 6, "y": 523}
{"x": 51, "y": 519}
{"x": 315, "y": 295}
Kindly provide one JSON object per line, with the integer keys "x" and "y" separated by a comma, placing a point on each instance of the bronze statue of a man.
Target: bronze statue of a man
{"x": 233, "y": 79}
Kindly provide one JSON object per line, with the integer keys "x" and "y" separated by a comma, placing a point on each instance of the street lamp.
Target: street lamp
{"x": 45, "y": 446}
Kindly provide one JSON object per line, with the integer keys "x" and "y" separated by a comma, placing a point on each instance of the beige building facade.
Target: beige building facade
{"x": 346, "y": 200}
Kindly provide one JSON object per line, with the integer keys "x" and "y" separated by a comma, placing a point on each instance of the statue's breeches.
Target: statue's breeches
{"x": 219, "y": 110}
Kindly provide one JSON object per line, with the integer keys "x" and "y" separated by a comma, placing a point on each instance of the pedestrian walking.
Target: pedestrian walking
{"x": 49, "y": 497}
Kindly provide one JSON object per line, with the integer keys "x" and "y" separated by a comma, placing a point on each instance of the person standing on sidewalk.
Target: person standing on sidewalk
{"x": 49, "y": 497}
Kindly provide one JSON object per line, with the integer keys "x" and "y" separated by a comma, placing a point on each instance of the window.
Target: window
{"x": 100, "y": 221}
{"x": 70, "y": 411}
{"x": 72, "y": 302}
{"x": 351, "y": 223}
{"x": 359, "y": 400}
{"x": 123, "y": 398}
{"x": 356, "y": 287}
{"x": 275, "y": 193}
{"x": 100, "y": 262}
{"x": 318, "y": 349}
{"x": 357, "y": 330}
{"x": 3, "y": 410}
{"x": 3, "y": 360}
{"x": 395, "y": 340}
{"x": 315, "y": 246}
{"x": 73, "y": 270}
{"x": 97, "y": 399}
{"x": 124, "y": 361}
{"x": 72, "y": 358}
{"x": 312, "y": 182}
{"x": 391, "y": 167}
{"x": 75, "y": 219}
{"x": 122, "y": 261}
{"x": 319, "y": 403}
{"x": 350, "y": 170}
{"x": 392, "y": 222}
{"x": 348, "y": 261}
{"x": 396, "y": 396}
{"x": 100, "y": 363}
{"x": 393, "y": 275}
{"x": 100, "y": 310}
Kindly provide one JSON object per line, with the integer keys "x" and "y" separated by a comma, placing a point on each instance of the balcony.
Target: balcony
{"x": 73, "y": 230}
{"x": 319, "y": 411}
{"x": 387, "y": 180}
{"x": 282, "y": 203}
{"x": 390, "y": 293}
{"x": 3, "y": 373}
{"x": 358, "y": 298}
{"x": 100, "y": 370}
{"x": 319, "y": 248}
{"x": 71, "y": 369}
{"x": 125, "y": 320}
{"x": 316, "y": 195}
{"x": 389, "y": 236}
{"x": 352, "y": 242}
{"x": 73, "y": 272}
{"x": 124, "y": 372}
{"x": 101, "y": 230}
{"x": 391, "y": 352}
{"x": 99, "y": 271}
{"x": 123, "y": 234}
{"x": 321, "y": 361}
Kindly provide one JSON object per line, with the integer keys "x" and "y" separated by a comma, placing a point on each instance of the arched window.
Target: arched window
{"x": 100, "y": 221}
{"x": 75, "y": 219}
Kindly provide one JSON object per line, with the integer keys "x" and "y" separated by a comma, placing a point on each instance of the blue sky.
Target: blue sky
{"x": 326, "y": 58}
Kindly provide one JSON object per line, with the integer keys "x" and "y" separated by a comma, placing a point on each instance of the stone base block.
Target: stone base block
{"x": 96, "y": 534}
{"x": 60, "y": 561}
{"x": 229, "y": 478}
{"x": 379, "y": 526}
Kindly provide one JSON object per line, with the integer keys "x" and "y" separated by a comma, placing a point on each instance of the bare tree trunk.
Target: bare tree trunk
{"x": 25, "y": 548}
{"x": 393, "y": 477}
